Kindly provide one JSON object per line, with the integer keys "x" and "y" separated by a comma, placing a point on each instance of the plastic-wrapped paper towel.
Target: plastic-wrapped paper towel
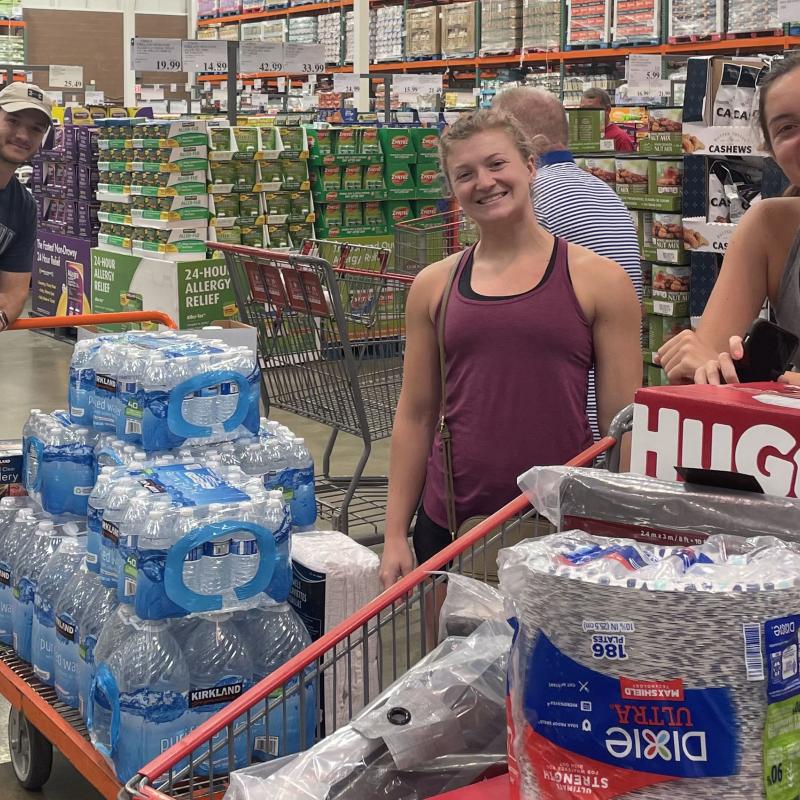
{"x": 439, "y": 727}
{"x": 665, "y": 673}
{"x": 648, "y": 509}
{"x": 332, "y": 578}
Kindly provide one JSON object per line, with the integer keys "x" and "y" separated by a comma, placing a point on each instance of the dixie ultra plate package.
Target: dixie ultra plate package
{"x": 666, "y": 673}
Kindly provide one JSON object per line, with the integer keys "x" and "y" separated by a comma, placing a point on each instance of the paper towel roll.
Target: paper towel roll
{"x": 650, "y": 688}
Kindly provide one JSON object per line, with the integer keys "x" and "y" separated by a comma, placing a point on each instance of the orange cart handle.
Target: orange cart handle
{"x": 93, "y": 319}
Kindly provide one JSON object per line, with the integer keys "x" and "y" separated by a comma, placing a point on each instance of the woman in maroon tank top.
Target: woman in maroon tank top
{"x": 527, "y": 318}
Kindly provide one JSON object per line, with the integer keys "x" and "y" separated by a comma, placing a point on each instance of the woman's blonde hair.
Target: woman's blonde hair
{"x": 487, "y": 119}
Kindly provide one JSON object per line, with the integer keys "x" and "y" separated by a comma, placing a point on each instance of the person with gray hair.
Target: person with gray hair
{"x": 569, "y": 202}
{"x": 599, "y": 99}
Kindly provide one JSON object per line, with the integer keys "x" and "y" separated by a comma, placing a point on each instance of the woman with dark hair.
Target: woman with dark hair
{"x": 763, "y": 258}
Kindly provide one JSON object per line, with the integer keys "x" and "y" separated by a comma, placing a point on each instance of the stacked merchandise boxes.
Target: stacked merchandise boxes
{"x": 208, "y": 33}
{"x": 589, "y": 23}
{"x": 761, "y": 15}
{"x": 206, "y": 9}
{"x": 64, "y": 182}
{"x": 329, "y": 29}
{"x": 501, "y": 27}
{"x": 302, "y": 30}
{"x": 541, "y": 25}
{"x": 229, "y": 7}
{"x": 12, "y": 46}
{"x": 423, "y": 33}
{"x": 260, "y": 189}
{"x": 230, "y": 33}
{"x": 153, "y": 188}
{"x": 637, "y": 21}
{"x": 459, "y": 30}
{"x": 389, "y": 33}
{"x": 365, "y": 179}
{"x": 349, "y": 23}
{"x": 158, "y": 594}
{"x": 696, "y": 19}
{"x": 252, "y": 6}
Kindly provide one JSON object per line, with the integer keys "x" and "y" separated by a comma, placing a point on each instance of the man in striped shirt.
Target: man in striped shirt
{"x": 569, "y": 202}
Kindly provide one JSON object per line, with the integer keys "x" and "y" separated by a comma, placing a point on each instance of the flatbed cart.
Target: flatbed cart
{"x": 377, "y": 644}
{"x": 330, "y": 349}
{"x": 38, "y": 721}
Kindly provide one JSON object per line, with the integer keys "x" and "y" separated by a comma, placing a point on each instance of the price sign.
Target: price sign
{"x": 346, "y": 82}
{"x": 66, "y": 77}
{"x": 417, "y": 84}
{"x": 57, "y": 98}
{"x": 205, "y": 56}
{"x": 261, "y": 57}
{"x": 643, "y": 69}
{"x": 94, "y": 98}
{"x": 179, "y": 106}
{"x": 156, "y": 55}
{"x": 305, "y": 59}
{"x": 788, "y": 10}
{"x": 152, "y": 93}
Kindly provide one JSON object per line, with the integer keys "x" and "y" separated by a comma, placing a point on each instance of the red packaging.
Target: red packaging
{"x": 752, "y": 429}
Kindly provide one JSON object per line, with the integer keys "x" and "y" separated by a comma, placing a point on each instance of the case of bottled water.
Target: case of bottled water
{"x": 155, "y": 681}
{"x": 177, "y": 538}
{"x": 17, "y": 522}
{"x": 58, "y": 462}
{"x": 160, "y": 390}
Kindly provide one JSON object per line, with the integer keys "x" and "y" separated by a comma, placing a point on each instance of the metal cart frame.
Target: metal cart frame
{"x": 330, "y": 349}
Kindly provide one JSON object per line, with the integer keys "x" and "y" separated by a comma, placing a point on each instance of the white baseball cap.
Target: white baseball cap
{"x": 18, "y": 96}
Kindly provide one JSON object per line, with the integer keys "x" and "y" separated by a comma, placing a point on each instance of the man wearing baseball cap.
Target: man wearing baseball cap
{"x": 24, "y": 121}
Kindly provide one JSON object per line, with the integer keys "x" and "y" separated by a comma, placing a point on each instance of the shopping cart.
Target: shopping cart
{"x": 38, "y": 721}
{"x": 330, "y": 349}
{"x": 379, "y": 643}
{"x": 423, "y": 241}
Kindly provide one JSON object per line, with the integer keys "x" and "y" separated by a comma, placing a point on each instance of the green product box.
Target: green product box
{"x": 665, "y": 240}
{"x": 397, "y": 211}
{"x": 352, "y": 178}
{"x": 347, "y": 141}
{"x": 328, "y": 179}
{"x": 320, "y": 141}
{"x": 373, "y": 178}
{"x": 279, "y": 235}
{"x": 332, "y": 215}
{"x": 232, "y": 235}
{"x": 370, "y": 142}
{"x": 352, "y": 215}
{"x": 226, "y": 205}
{"x": 428, "y": 178}
{"x": 633, "y": 175}
{"x": 397, "y": 144}
{"x": 194, "y": 293}
{"x": 426, "y": 142}
{"x": 399, "y": 178}
{"x": 655, "y": 376}
{"x": 299, "y": 231}
{"x": 666, "y": 176}
{"x": 586, "y": 127}
{"x": 249, "y": 205}
{"x": 662, "y": 329}
{"x": 425, "y": 208}
{"x": 373, "y": 215}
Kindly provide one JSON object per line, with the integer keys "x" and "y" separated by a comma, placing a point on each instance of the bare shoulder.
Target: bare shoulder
{"x": 774, "y": 211}
{"x": 429, "y": 283}
{"x": 583, "y": 263}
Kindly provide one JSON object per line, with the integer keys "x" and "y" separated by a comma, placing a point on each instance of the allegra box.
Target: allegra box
{"x": 752, "y": 429}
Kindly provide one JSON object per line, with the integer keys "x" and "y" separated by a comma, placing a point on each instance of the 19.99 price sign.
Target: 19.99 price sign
{"x": 156, "y": 55}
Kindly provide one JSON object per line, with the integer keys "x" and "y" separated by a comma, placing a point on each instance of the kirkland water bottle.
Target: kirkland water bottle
{"x": 303, "y": 502}
{"x": 131, "y": 525}
{"x": 60, "y": 568}
{"x": 215, "y": 566}
{"x": 92, "y": 624}
{"x": 94, "y": 519}
{"x": 116, "y": 502}
{"x": 220, "y": 670}
{"x": 74, "y": 601}
{"x": 82, "y": 381}
{"x": 19, "y": 531}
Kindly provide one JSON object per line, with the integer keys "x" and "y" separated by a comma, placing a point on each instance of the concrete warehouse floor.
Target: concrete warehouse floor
{"x": 33, "y": 373}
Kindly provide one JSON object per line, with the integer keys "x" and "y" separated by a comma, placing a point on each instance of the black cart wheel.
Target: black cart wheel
{"x": 31, "y": 753}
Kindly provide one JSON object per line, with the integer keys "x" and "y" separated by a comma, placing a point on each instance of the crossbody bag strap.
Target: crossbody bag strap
{"x": 444, "y": 430}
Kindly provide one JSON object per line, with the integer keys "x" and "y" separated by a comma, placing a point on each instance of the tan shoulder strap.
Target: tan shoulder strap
{"x": 444, "y": 430}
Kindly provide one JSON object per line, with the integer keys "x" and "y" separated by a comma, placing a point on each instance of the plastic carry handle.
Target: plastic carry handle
{"x": 104, "y": 683}
{"x": 38, "y": 445}
{"x": 107, "y": 453}
{"x": 181, "y": 595}
{"x": 181, "y": 427}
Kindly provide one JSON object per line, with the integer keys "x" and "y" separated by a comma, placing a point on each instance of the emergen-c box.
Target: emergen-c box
{"x": 751, "y": 429}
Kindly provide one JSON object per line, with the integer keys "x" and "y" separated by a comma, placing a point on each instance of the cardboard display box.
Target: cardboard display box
{"x": 193, "y": 293}
{"x": 751, "y": 429}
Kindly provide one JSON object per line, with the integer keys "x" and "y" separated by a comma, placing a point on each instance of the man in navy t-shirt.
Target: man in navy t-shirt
{"x": 24, "y": 121}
